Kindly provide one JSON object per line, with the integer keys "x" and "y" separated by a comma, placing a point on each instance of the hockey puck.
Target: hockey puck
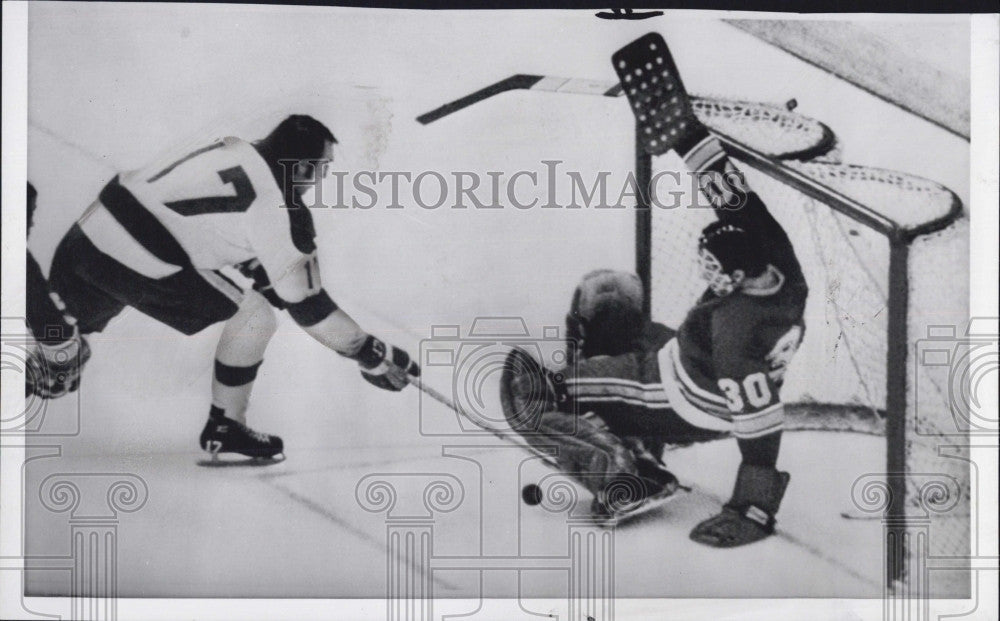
{"x": 531, "y": 494}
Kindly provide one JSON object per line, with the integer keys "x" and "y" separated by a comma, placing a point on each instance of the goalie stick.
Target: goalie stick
{"x": 809, "y": 139}
{"x": 499, "y": 433}
{"x": 779, "y": 132}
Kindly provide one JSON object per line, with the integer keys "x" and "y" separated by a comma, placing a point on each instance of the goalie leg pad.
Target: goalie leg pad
{"x": 604, "y": 463}
{"x": 585, "y": 449}
{"x": 527, "y": 391}
{"x": 589, "y": 453}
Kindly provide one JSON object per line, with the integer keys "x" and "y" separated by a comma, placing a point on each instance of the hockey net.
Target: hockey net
{"x": 885, "y": 256}
{"x": 775, "y": 130}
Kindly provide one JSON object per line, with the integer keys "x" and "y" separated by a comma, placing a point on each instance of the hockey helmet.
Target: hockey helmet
{"x": 606, "y": 312}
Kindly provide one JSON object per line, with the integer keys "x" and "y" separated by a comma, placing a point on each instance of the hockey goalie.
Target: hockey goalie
{"x": 637, "y": 385}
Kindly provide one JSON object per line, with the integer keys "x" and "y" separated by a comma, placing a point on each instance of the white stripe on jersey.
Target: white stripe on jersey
{"x": 588, "y": 390}
{"x": 661, "y": 404}
{"x": 670, "y": 375}
{"x": 112, "y": 239}
{"x": 601, "y": 381}
{"x": 688, "y": 383}
{"x": 759, "y": 424}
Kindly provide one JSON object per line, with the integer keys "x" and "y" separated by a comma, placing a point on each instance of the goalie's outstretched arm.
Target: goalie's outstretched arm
{"x": 734, "y": 200}
{"x": 666, "y": 121}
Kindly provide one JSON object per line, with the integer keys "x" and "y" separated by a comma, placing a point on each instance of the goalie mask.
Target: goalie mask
{"x": 727, "y": 254}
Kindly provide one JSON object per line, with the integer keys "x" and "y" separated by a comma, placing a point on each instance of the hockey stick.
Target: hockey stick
{"x": 554, "y": 84}
{"x": 801, "y": 137}
{"x": 523, "y": 81}
{"x": 499, "y": 433}
{"x": 451, "y": 405}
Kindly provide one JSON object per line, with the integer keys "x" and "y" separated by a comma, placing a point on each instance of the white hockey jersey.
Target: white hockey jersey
{"x": 222, "y": 205}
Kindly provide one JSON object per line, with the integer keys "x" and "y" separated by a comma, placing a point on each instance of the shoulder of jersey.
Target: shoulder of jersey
{"x": 234, "y": 142}
{"x": 245, "y": 152}
{"x": 748, "y": 307}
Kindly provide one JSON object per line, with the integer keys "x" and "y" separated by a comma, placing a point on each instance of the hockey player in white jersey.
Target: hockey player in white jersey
{"x": 157, "y": 238}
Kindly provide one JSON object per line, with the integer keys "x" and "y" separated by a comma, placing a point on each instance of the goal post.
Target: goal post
{"x": 857, "y": 231}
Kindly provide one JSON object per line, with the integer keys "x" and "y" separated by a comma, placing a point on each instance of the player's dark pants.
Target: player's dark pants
{"x": 625, "y": 392}
{"x": 96, "y": 288}
{"x": 47, "y": 322}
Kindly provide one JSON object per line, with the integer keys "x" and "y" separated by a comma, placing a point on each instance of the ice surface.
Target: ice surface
{"x": 160, "y": 74}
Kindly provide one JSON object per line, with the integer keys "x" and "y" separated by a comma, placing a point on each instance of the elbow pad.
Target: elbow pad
{"x": 313, "y": 309}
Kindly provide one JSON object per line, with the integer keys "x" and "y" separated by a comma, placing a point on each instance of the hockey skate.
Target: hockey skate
{"x": 629, "y": 497}
{"x": 226, "y": 435}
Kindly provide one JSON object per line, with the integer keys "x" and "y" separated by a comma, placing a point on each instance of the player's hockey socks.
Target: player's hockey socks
{"x": 226, "y": 435}
{"x": 54, "y": 367}
{"x": 47, "y": 316}
{"x": 385, "y": 366}
{"x": 749, "y": 514}
{"x": 229, "y": 375}
{"x": 32, "y": 201}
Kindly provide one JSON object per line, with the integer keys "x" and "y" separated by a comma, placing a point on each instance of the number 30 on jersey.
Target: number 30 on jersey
{"x": 753, "y": 390}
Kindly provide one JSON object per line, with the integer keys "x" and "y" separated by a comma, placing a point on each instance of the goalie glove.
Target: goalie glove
{"x": 54, "y": 369}
{"x": 749, "y": 514}
{"x": 385, "y": 366}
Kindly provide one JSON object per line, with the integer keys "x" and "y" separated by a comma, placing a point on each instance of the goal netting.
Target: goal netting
{"x": 885, "y": 256}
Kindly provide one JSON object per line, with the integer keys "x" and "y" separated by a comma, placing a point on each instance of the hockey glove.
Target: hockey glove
{"x": 385, "y": 366}
{"x": 749, "y": 514}
{"x": 54, "y": 368}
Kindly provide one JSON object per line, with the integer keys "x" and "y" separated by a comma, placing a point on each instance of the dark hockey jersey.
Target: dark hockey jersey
{"x": 730, "y": 353}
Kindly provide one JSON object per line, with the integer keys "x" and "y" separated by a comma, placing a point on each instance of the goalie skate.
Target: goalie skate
{"x": 622, "y": 503}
